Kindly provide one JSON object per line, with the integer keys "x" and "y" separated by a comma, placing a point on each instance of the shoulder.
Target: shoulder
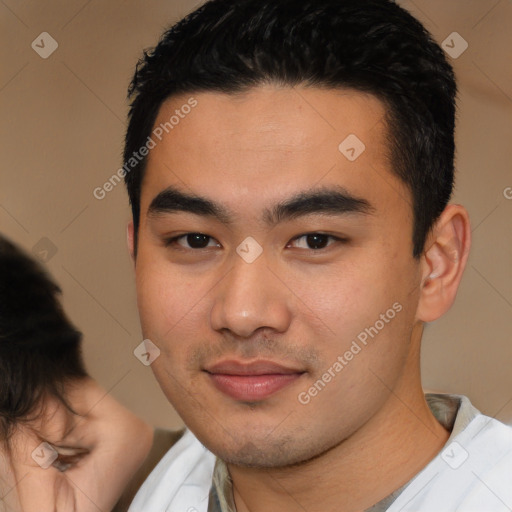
{"x": 484, "y": 455}
{"x": 163, "y": 441}
{"x": 472, "y": 473}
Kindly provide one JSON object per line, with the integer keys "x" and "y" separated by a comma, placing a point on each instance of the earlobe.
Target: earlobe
{"x": 443, "y": 262}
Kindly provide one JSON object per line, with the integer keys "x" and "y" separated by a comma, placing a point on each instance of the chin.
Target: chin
{"x": 261, "y": 451}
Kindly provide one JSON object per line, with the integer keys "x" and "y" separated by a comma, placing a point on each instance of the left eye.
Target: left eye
{"x": 315, "y": 241}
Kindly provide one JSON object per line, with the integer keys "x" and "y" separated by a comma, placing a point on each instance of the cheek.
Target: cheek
{"x": 343, "y": 298}
{"x": 174, "y": 311}
{"x": 362, "y": 309}
{"x": 164, "y": 295}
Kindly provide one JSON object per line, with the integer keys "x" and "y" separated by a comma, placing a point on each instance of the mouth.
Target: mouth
{"x": 251, "y": 382}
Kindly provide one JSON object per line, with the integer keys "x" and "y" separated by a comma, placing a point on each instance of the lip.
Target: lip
{"x": 250, "y": 382}
{"x": 259, "y": 367}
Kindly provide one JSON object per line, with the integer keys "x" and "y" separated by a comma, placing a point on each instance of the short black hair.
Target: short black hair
{"x": 40, "y": 350}
{"x": 372, "y": 46}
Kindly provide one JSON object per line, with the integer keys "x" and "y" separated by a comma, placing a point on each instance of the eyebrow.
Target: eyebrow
{"x": 324, "y": 200}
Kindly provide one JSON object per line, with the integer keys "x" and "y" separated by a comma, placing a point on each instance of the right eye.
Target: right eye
{"x": 194, "y": 241}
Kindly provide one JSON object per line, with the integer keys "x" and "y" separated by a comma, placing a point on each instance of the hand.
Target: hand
{"x": 98, "y": 450}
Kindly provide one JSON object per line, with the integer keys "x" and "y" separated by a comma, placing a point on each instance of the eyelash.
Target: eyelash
{"x": 170, "y": 242}
{"x": 65, "y": 461}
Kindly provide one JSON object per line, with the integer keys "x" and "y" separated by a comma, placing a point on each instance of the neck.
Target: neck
{"x": 383, "y": 455}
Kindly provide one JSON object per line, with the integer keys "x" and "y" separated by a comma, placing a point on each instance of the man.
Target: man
{"x": 65, "y": 444}
{"x": 289, "y": 166}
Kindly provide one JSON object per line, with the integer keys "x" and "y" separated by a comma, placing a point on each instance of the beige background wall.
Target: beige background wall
{"x": 62, "y": 126}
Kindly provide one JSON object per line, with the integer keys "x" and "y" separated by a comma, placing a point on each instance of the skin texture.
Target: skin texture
{"x": 369, "y": 429}
{"x": 105, "y": 445}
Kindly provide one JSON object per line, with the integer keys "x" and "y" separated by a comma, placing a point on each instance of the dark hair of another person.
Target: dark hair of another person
{"x": 372, "y": 46}
{"x": 40, "y": 350}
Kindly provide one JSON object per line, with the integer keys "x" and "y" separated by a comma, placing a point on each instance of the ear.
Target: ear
{"x": 443, "y": 262}
{"x": 130, "y": 239}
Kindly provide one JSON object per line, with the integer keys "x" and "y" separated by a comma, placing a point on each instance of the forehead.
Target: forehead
{"x": 270, "y": 141}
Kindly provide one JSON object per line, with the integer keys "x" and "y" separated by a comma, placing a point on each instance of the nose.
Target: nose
{"x": 249, "y": 297}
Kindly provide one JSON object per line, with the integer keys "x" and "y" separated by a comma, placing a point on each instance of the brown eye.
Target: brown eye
{"x": 197, "y": 240}
{"x": 315, "y": 241}
{"x": 192, "y": 241}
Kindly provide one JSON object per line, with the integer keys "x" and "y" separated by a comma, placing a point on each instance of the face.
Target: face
{"x": 283, "y": 292}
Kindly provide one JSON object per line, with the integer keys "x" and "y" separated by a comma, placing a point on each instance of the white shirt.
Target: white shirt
{"x": 473, "y": 472}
